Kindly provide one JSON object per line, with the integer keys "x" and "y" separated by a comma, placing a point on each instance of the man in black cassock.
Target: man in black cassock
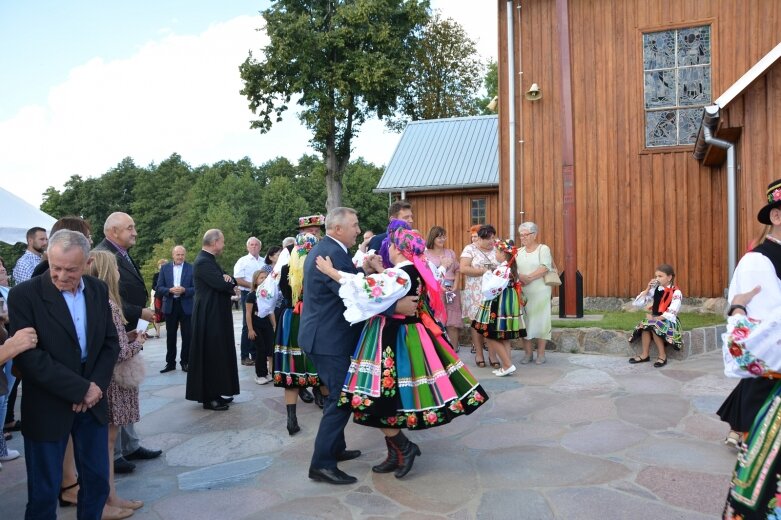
{"x": 213, "y": 372}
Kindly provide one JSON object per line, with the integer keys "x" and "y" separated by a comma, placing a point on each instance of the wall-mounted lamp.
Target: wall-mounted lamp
{"x": 534, "y": 93}
{"x": 492, "y": 105}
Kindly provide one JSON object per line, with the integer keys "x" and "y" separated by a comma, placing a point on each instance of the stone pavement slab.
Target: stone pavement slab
{"x": 581, "y": 437}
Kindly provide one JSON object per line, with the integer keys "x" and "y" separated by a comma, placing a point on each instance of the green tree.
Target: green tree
{"x": 359, "y": 181}
{"x": 491, "y": 83}
{"x": 445, "y": 77}
{"x": 344, "y": 60}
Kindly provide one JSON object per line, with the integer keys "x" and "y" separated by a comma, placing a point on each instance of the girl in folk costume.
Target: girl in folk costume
{"x": 404, "y": 372}
{"x": 663, "y": 299}
{"x": 499, "y": 317}
{"x": 293, "y": 371}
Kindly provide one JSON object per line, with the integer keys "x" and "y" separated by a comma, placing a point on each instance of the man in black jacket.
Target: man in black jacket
{"x": 65, "y": 377}
{"x": 120, "y": 232}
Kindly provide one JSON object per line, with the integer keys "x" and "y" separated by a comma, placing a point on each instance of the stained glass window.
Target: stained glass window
{"x": 676, "y": 84}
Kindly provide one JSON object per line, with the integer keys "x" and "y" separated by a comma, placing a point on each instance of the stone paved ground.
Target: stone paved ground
{"x": 581, "y": 437}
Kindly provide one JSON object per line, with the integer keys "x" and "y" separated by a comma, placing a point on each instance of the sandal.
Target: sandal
{"x": 660, "y": 362}
{"x": 473, "y": 350}
{"x": 63, "y": 502}
{"x": 480, "y": 362}
{"x": 638, "y": 359}
{"x": 495, "y": 364}
{"x": 8, "y": 436}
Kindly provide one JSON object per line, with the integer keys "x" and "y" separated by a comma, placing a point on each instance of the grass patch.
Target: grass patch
{"x": 628, "y": 320}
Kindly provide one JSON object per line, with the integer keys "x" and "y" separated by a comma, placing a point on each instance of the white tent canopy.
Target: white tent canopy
{"x": 17, "y": 216}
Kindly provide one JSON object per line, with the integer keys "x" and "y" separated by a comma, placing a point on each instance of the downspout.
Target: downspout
{"x": 511, "y": 108}
{"x": 710, "y": 120}
{"x": 520, "y": 126}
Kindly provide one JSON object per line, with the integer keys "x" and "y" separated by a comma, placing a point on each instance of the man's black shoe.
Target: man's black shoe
{"x": 122, "y": 466}
{"x": 215, "y": 405}
{"x": 331, "y": 476}
{"x": 168, "y": 368}
{"x": 348, "y": 455}
{"x": 143, "y": 454}
{"x": 185, "y": 367}
{"x": 305, "y": 395}
{"x": 225, "y": 400}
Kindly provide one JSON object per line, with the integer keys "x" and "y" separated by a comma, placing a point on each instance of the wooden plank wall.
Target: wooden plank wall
{"x": 758, "y": 112}
{"x": 451, "y": 210}
{"x": 636, "y": 208}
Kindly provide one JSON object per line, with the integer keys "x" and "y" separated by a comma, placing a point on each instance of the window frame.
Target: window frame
{"x": 641, "y": 31}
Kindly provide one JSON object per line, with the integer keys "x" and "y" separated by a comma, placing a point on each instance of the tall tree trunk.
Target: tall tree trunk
{"x": 333, "y": 178}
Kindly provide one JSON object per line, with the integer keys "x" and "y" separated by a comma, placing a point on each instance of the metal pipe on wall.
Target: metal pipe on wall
{"x": 521, "y": 142}
{"x": 710, "y": 121}
{"x": 511, "y": 109}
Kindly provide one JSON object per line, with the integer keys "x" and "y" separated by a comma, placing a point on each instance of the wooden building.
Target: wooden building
{"x": 641, "y": 73}
{"x": 448, "y": 169}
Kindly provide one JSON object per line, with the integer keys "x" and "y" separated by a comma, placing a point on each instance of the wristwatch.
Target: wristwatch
{"x": 733, "y": 308}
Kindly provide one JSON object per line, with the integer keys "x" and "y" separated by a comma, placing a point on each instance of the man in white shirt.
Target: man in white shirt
{"x": 243, "y": 270}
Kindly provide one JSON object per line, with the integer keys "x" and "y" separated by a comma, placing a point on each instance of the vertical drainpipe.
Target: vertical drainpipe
{"x": 710, "y": 120}
{"x": 511, "y": 109}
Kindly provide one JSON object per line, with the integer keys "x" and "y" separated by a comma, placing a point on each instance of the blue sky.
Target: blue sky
{"x": 86, "y": 83}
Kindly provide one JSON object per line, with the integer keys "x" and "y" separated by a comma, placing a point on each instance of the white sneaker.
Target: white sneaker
{"x": 262, "y": 380}
{"x": 502, "y": 372}
{"x": 11, "y": 455}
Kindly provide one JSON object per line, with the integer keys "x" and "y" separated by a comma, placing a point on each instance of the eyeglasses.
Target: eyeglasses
{"x": 522, "y": 235}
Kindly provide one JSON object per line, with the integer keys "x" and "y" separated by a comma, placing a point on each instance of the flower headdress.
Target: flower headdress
{"x": 413, "y": 246}
{"x": 304, "y": 243}
{"x": 509, "y": 247}
{"x": 392, "y": 226}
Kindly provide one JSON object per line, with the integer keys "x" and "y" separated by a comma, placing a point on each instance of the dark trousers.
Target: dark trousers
{"x": 330, "y": 435}
{"x": 247, "y": 346}
{"x": 9, "y": 413}
{"x": 173, "y": 320}
{"x": 264, "y": 343}
{"x": 44, "y": 470}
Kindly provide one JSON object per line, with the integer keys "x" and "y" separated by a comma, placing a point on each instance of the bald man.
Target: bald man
{"x": 175, "y": 285}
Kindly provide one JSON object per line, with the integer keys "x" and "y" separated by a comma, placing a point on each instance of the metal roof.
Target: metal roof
{"x": 455, "y": 153}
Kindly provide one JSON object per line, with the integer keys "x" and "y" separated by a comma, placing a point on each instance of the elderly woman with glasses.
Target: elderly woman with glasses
{"x": 534, "y": 260}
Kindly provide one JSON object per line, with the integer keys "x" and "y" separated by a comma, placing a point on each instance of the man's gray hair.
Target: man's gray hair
{"x": 289, "y": 241}
{"x": 529, "y": 227}
{"x": 250, "y": 239}
{"x": 67, "y": 240}
{"x": 113, "y": 220}
{"x": 211, "y": 236}
{"x": 336, "y": 217}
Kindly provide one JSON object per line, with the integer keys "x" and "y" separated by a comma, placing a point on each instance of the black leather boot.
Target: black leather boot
{"x": 305, "y": 395}
{"x": 407, "y": 450}
{"x": 318, "y": 395}
{"x": 292, "y": 420}
{"x": 391, "y": 462}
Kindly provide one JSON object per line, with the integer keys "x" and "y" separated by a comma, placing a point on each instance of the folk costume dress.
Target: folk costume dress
{"x": 292, "y": 368}
{"x": 404, "y": 372}
{"x": 751, "y": 351}
{"x": 665, "y": 304}
{"x": 499, "y": 315}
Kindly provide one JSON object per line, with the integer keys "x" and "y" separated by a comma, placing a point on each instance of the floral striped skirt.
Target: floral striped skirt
{"x": 292, "y": 368}
{"x": 669, "y": 331}
{"x": 754, "y": 491}
{"x": 402, "y": 375}
{"x": 501, "y": 318}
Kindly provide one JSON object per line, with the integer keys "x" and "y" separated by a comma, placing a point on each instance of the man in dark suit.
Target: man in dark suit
{"x": 175, "y": 285}
{"x": 120, "y": 232}
{"x": 213, "y": 370}
{"x": 65, "y": 377}
{"x": 329, "y": 340}
{"x": 399, "y": 210}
